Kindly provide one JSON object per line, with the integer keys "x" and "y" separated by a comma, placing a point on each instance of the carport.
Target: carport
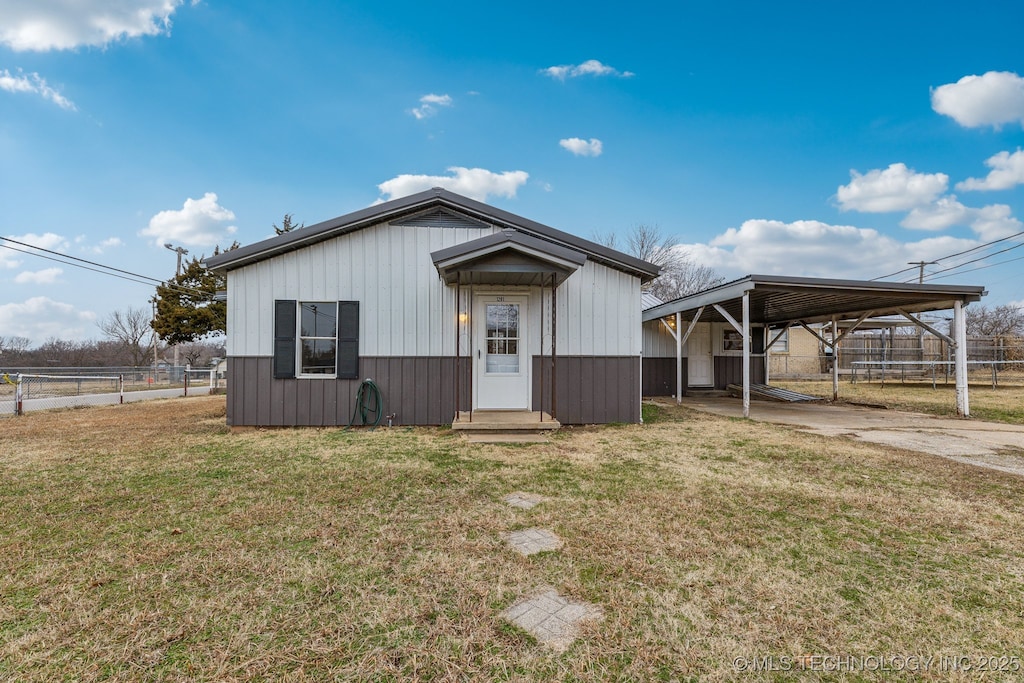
{"x": 776, "y": 303}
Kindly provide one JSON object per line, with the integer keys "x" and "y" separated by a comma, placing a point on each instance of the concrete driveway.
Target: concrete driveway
{"x": 985, "y": 444}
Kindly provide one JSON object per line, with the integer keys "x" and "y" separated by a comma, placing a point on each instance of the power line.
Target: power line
{"x": 75, "y": 258}
{"x": 959, "y": 253}
{"x": 66, "y": 263}
{"x": 140, "y": 280}
{"x": 980, "y": 258}
{"x": 988, "y": 265}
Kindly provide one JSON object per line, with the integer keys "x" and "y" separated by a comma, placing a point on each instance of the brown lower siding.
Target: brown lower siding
{"x": 421, "y": 391}
{"x": 590, "y": 389}
{"x": 660, "y": 374}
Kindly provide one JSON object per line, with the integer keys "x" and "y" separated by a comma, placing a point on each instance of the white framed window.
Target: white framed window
{"x": 318, "y": 338}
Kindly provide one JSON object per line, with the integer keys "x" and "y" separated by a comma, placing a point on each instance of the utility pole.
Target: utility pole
{"x": 920, "y": 281}
{"x": 180, "y": 251}
{"x": 921, "y": 265}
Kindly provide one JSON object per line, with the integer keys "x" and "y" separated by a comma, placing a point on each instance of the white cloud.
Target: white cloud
{"x": 12, "y": 259}
{"x": 897, "y": 188}
{"x": 581, "y": 147}
{"x": 200, "y": 222}
{"x": 40, "y": 318}
{"x": 816, "y": 249}
{"x": 992, "y": 99}
{"x": 476, "y": 183}
{"x": 994, "y": 222}
{"x": 989, "y": 222}
{"x": 429, "y": 105}
{"x": 41, "y": 25}
{"x": 1007, "y": 171}
{"x": 944, "y": 213}
{"x": 47, "y": 276}
{"x": 591, "y": 67}
{"x": 35, "y": 84}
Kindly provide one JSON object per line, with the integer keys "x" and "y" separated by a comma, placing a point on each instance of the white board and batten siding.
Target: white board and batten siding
{"x": 405, "y": 308}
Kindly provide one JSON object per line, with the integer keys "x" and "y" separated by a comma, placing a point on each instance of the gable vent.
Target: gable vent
{"x": 439, "y": 218}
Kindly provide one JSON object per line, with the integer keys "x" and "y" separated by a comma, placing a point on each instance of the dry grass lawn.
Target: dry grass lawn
{"x": 146, "y": 542}
{"x": 1004, "y": 403}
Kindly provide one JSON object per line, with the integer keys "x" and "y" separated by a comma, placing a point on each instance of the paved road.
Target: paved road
{"x": 993, "y": 445}
{"x": 7, "y": 405}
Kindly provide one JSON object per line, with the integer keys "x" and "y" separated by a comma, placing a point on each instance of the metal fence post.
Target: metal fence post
{"x": 17, "y": 397}
{"x": 120, "y": 387}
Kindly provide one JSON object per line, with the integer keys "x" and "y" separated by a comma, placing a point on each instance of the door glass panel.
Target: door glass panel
{"x": 502, "y": 338}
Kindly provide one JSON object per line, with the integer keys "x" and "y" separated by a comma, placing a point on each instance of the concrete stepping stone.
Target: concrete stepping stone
{"x": 551, "y": 618}
{"x": 523, "y": 500}
{"x": 531, "y": 541}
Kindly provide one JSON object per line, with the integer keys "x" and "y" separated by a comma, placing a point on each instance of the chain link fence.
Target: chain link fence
{"x": 23, "y": 390}
{"x": 906, "y": 359}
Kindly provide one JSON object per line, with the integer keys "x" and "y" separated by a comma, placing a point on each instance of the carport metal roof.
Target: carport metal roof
{"x": 777, "y": 300}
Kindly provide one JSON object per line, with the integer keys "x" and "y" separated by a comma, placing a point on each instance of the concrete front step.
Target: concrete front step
{"x": 504, "y": 421}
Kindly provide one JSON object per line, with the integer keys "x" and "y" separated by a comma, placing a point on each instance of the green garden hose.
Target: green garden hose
{"x": 368, "y": 401}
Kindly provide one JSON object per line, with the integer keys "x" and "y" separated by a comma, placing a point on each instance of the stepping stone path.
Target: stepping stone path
{"x": 549, "y": 617}
{"x": 531, "y": 541}
{"x": 523, "y": 500}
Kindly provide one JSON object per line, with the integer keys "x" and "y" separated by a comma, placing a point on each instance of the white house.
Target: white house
{"x": 446, "y": 303}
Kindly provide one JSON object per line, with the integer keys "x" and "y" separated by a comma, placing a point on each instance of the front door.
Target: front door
{"x": 502, "y": 364}
{"x": 698, "y": 356}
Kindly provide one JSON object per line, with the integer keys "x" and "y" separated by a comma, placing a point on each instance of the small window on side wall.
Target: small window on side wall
{"x": 780, "y": 341}
{"x": 732, "y": 340}
{"x": 316, "y": 339}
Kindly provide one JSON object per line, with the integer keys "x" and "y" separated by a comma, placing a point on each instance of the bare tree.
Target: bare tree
{"x": 681, "y": 274}
{"x": 131, "y": 329}
{"x": 199, "y": 354}
{"x": 997, "y": 321}
{"x": 13, "y": 349}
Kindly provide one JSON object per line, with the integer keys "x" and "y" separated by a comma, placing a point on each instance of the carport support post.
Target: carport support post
{"x": 835, "y": 359}
{"x": 679, "y": 359}
{"x": 746, "y": 353}
{"x": 963, "y": 406}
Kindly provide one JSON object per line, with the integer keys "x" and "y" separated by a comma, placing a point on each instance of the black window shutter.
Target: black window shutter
{"x": 348, "y": 340}
{"x": 284, "y": 339}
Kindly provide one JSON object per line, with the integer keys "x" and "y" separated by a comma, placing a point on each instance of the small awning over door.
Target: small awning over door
{"x": 507, "y": 258}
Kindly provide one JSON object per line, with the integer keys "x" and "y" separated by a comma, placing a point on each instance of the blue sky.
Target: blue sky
{"x": 814, "y": 139}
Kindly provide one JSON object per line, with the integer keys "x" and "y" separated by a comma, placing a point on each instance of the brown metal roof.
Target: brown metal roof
{"x": 416, "y": 203}
{"x": 777, "y": 300}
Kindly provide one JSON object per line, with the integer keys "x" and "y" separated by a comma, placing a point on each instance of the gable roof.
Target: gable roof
{"x": 404, "y": 207}
{"x": 507, "y": 257}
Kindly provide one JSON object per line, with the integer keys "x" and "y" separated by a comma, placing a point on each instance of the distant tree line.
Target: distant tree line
{"x": 18, "y": 352}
